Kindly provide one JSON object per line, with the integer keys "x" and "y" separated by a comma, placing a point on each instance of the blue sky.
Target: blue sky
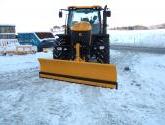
{"x": 41, "y": 15}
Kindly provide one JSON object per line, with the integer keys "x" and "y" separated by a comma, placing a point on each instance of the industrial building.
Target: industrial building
{"x": 7, "y": 33}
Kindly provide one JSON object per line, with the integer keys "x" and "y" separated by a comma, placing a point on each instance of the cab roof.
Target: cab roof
{"x": 85, "y": 7}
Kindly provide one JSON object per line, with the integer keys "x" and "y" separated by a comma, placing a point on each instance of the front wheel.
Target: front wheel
{"x": 61, "y": 50}
{"x": 100, "y": 51}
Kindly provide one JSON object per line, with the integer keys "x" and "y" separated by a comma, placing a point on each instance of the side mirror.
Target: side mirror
{"x": 108, "y": 13}
{"x": 60, "y": 14}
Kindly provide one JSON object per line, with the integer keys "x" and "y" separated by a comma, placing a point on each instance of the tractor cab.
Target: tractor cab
{"x": 89, "y": 15}
{"x": 95, "y": 15}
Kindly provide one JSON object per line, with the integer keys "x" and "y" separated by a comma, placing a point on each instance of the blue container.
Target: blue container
{"x": 39, "y": 39}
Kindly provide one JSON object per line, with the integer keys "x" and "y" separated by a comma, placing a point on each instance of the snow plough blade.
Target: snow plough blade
{"x": 94, "y": 74}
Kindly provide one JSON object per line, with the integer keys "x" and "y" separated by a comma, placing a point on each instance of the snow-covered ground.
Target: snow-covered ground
{"x": 26, "y": 99}
{"x": 20, "y": 62}
{"x": 144, "y": 38}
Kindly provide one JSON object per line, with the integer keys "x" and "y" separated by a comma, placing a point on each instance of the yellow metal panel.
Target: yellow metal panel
{"x": 103, "y": 75}
{"x": 81, "y": 26}
{"x": 85, "y": 82}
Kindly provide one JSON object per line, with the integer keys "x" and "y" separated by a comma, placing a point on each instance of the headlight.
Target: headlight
{"x": 101, "y": 47}
{"x": 65, "y": 49}
{"x": 59, "y": 48}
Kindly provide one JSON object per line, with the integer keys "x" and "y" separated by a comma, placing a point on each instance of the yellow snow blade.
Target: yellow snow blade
{"x": 94, "y": 74}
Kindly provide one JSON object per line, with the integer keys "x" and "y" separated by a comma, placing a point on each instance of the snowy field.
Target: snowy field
{"x": 144, "y": 38}
{"x": 26, "y": 99}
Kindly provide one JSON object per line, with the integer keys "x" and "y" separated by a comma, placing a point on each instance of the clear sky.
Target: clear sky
{"x": 41, "y": 15}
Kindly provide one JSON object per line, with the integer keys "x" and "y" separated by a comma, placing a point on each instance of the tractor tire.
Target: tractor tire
{"x": 61, "y": 50}
{"x": 101, "y": 55}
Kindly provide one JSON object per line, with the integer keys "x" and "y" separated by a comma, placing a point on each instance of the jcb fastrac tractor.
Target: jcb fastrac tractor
{"x": 81, "y": 55}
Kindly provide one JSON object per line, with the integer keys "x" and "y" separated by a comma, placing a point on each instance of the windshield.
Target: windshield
{"x": 88, "y": 15}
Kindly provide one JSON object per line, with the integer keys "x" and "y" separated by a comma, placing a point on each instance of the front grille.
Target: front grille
{"x": 82, "y": 37}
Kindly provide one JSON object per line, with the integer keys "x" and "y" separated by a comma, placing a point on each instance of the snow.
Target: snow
{"x": 19, "y": 62}
{"x": 147, "y": 74}
{"x": 144, "y": 38}
{"x": 27, "y": 99}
